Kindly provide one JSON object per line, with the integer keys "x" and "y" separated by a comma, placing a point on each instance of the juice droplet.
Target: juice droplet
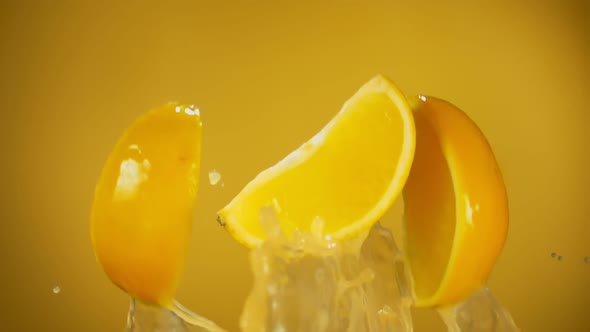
{"x": 214, "y": 177}
{"x": 386, "y": 310}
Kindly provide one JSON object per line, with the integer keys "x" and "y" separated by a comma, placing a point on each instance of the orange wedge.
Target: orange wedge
{"x": 346, "y": 176}
{"x": 456, "y": 207}
{"x": 141, "y": 216}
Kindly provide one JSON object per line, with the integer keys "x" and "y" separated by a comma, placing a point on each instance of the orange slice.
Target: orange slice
{"x": 141, "y": 216}
{"x": 346, "y": 176}
{"x": 456, "y": 207}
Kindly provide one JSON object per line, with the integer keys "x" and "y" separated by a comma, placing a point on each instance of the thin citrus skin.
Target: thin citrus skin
{"x": 142, "y": 211}
{"x": 347, "y": 175}
{"x": 456, "y": 206}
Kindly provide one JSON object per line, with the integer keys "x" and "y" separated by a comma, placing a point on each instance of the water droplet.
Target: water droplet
{"x": 146, "y": 165}
{"x": 191, "y": 110}
{"x": 135, "y": 147}
{"x": 56, "y": 290}
{"x": 386, "y": 310}
{"x": 214, "y": 177}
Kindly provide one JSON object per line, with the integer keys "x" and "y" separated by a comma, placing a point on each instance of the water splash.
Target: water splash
{"x": 142, "y": 317}
{"x": 480, "y": 312}
{"x": 308, "y": 283}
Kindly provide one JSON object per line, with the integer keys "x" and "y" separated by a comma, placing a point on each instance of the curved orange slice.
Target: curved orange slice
{"x": 346, "y": 176}
{"x": 456, "y": 207}
{"x": 141, "y": 217}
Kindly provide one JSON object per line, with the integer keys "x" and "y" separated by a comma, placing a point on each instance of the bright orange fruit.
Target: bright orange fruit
{"x": 346, "y": 176}
{"x": 456, "y": 207}
{"x": 142, "y": 212}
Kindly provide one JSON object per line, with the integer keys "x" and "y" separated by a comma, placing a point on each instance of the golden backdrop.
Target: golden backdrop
{"x": 266, "y": 77}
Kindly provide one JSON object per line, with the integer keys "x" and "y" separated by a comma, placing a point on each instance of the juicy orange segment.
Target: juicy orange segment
{"x": 347, "y": 175}
{"x": 141, "y": 216}
{"x": 456, "y": 207}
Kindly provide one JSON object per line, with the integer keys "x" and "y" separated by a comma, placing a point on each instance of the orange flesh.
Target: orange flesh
{"x": 320, "y": 170}
{"x": 342, "y": 180}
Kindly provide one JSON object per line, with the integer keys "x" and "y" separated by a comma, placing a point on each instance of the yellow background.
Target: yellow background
{"x": 266, "y": 78}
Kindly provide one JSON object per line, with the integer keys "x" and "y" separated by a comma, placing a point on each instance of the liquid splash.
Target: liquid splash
{"x": 481, "y": 312}
{"x": 310, "y": 283}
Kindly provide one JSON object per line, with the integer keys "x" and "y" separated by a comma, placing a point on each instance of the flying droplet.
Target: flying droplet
{"x": 386, "y": 311}
{"x": 56, "y": 290}
{"x": 553, "y": 255}
{"x": 559, "y": 258}
{"x": 214, "y": 177}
